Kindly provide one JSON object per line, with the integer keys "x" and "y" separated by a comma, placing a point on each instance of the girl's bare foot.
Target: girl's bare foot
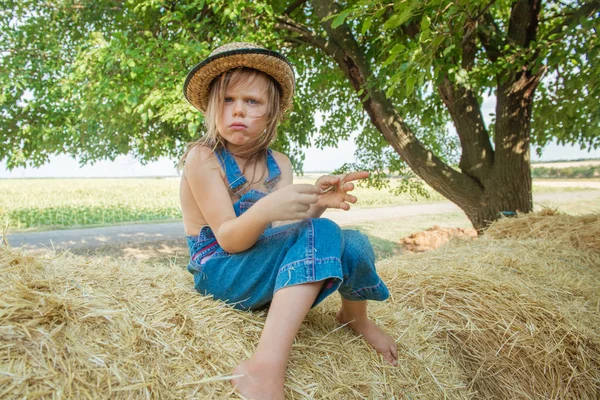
{"x": 259, "y": 380}
{"x": 374, "y": 335}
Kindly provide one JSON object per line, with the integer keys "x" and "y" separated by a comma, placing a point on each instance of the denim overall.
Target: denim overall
{"x": 311, "y": 250}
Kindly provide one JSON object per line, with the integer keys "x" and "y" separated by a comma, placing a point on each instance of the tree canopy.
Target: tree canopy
{"x": 101, "y": 78}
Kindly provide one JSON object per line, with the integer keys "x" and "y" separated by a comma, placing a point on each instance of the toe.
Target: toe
{"x": 394, "y": 351}
{"x": 387, "y": 356}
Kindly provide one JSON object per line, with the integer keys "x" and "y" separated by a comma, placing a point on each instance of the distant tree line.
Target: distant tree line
{"x": 584, "y": 172}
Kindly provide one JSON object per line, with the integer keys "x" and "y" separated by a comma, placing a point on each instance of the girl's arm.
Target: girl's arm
{"x": 236, "y": 234}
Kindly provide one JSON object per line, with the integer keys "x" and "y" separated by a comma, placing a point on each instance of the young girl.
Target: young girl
{"x": 255, "y": 238}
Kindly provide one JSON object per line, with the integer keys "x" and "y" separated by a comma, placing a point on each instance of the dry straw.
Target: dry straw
{"x": 582, "y": 232}
{"x": 490, "y": 318}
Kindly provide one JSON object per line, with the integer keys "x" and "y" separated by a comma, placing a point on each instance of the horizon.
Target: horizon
{"x": 316, "y": 161}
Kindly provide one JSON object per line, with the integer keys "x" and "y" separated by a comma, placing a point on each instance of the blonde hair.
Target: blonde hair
{"x": 229, "y": 80}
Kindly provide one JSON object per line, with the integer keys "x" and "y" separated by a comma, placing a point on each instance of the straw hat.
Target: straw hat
{"x": 236, "y": 55}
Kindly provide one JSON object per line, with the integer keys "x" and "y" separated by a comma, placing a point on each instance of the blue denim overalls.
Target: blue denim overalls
{"x": 311, "y": 250}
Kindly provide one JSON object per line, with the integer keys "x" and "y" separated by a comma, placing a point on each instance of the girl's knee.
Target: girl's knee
{"x": 357, "y": 245}
{"x": 324, "y": 224}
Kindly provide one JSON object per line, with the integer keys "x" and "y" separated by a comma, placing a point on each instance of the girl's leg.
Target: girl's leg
{"x": 263, "y": 375}
{"x": 362, "y": 282}
{"x": 354, "y": 314}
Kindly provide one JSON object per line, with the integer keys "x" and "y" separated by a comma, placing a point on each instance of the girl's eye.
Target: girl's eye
{"x": 228, "y": 100}
{"x": 252, "y": 101}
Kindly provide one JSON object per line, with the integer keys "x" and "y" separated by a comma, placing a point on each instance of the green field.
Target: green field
{"x": 60, "y": 203}
{"x": 40, "y": 204}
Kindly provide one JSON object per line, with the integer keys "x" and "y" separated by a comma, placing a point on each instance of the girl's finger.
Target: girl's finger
{"x": 345, "y": 206}
{"x": 307, "y": 188}
{"x": 350, "y": 199}
{"x": 329, "y": 182}
{"x": 353, "y": 176}
{"x": 348, "y": 187}
{"x": 307, "y": 198}
{"x": 329, "y": 189}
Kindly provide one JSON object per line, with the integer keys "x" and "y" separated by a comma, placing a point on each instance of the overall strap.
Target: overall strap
{"x": 274, "y": 171}
{"x": 236, "y": 180}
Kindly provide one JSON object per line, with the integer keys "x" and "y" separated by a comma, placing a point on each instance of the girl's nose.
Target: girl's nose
{"x": 238, "y": 109}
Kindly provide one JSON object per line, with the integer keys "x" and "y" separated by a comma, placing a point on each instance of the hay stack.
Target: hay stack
{"x": 491, "y": 318}
{"x": 435, "y": 237}
{"x": 582, "y": 232}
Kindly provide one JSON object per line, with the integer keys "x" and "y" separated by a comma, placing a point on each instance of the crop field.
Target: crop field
{"x": 39, "y": 204}
{"x": 59, "y": 203}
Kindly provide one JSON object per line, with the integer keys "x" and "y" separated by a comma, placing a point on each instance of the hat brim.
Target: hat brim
{"x": 197, "y": 84}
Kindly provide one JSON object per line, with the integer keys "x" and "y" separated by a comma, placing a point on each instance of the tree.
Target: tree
{"x": 102, "y": 78}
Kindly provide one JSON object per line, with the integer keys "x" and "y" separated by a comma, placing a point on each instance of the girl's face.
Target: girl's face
{"x": 244, "y": 116}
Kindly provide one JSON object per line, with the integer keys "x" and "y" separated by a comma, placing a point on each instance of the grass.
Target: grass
{"x": 385, "y": 234}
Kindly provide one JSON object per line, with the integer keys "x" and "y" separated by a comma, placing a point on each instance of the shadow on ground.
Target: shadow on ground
{"x": 176, "y": 251}
{"x": 167, "y": 251}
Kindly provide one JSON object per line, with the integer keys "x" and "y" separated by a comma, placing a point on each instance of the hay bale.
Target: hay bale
{"x": 582, "y": 232}
{"x": 491, "y": 318}
{"x": 435, "y": 237}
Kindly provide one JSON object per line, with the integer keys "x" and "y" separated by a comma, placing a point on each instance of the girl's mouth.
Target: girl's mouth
{"x": 237, "y": 125}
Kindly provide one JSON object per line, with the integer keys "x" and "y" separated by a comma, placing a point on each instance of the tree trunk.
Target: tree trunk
{"x": 494, "y": 180}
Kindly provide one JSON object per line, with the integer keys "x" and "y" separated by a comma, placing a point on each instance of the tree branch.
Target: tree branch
{"x": 477, "y": 155}
{"x": 523, "y": 22}
{"x": 290, "y": 9}
{"x": 587, "y": 10}
{"x": 469, "y": 47}
{"x": 490, "y": 37}
{"x": 460, "y": 188}
{"x": 304, "y": 34}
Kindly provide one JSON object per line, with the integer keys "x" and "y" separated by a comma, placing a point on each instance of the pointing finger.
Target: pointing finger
{"x": 353, "y": 176}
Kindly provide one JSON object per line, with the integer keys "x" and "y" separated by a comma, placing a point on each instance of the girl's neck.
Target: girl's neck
{"x": 239, "y": 154}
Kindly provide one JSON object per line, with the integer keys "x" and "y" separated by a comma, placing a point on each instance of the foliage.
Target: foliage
{"x": 100, "y": 78}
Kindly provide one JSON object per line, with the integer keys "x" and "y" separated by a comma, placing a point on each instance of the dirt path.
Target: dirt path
{"x": 167, "y": 235}
{"x": 130, "y": 234}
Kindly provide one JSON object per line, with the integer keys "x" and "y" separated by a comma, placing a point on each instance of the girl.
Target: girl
{"x": 256, "y": 239}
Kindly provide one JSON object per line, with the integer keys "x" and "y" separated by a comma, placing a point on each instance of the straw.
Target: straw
{"x": 582, "y": 232}
{"x": 487, "y": 318}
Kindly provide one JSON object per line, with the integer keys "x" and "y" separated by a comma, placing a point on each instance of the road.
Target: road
{"x": 144, "y": 233}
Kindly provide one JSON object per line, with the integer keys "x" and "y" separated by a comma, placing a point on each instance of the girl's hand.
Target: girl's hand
{"x": 334, "y": 190}
{"x": 291, "y": 202}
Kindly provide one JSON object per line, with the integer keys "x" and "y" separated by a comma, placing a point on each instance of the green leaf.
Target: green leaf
{"x": 425, "y": 23}
{"x": 398, "y": 47}
{"x": 437, "y": 41}
{"x": 339, "y": 19}
{"x": 379, "y": 12}
{"x": 410, "y": 84}
{"x": 390, "y": 59}
{"x": 366, "y": 25}
{"x": 448, "y": 50}
{"x": 397, "y": 19}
